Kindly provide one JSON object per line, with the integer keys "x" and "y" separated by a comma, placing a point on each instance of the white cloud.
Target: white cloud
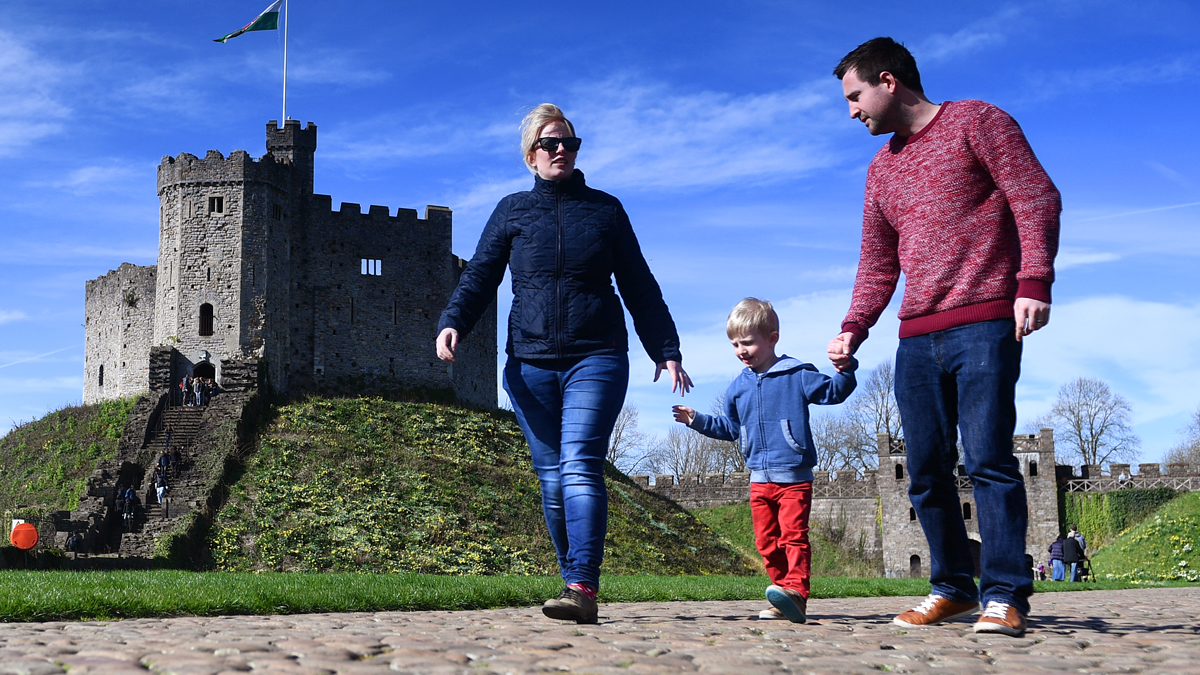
{"x": 89, "y": 180}
{"x": 1072, "y": 257}
{"x": 29, "y": 110}
{"x": 977, "y": 35}
{"x": 13, "y": 315}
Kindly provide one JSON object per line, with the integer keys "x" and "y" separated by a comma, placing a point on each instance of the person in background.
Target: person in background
{"x": 1056, "y": 558}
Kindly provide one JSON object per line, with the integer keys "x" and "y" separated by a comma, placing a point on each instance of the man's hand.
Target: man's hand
{"x": 447, "y": 343}
{"x": 1030, "y": 315}
{"x": 840, "y": 349}
{"x": 679, "y": 377}
{"x": 684, "y": 414}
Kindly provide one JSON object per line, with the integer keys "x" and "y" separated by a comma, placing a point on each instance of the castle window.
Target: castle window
{"x": 372, "y": 267}
{"x": 101, "y": 383}
{"x": 1033, "y": 468}
{"x": 899, "y": 472}
{"x": 216, "y": 205}
{"x": 912, "y": 513}
{"x": 966, "y": 511}
{"x": 206, "y": 319}
{"x": 395, "y": 311}
{"x": 276, "y": 212}
{"x": 351, "y": 310}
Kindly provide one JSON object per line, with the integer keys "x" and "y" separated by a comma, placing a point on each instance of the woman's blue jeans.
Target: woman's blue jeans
{"x": 567, "y": 409}
{"x": 1057, "y": 571}
{"x": 965, "y": 378}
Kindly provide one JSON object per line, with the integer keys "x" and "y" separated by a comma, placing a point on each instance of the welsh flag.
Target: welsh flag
{"x": 268, "y": 20}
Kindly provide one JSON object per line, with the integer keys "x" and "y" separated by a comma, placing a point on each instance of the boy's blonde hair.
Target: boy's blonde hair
{"x": 532, "y": 125}
{"x": 752, "y": 313}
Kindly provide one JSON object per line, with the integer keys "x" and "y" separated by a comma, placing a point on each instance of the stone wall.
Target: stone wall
{"x": 118, "y": 323}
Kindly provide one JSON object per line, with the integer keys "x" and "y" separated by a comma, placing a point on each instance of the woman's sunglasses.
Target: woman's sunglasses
{"x": 550, "y": 143}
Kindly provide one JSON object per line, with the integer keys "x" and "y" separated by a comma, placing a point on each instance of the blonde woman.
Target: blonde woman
{"x": 567, "y": 347}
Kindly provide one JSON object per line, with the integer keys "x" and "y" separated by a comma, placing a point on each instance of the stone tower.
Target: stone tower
{"x": 905, "y": 551}
{"x": 254, "y": 269}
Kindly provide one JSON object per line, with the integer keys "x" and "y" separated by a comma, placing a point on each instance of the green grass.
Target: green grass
{"x": 829, "y": 557}
{"x": 371, "y": 485}
{"x": 56, "y": 596}
{"x": 1163, "y": 547}
{"x": 45, "y": 463}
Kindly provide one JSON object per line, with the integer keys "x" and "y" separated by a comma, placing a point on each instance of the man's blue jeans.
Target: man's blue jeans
{"x": 567, "y": 409}
{"x": 965, "y": 378}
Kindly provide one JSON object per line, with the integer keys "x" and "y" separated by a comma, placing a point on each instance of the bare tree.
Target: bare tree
{"x": 726, "y": 455}
{"x": 627, "y": 446}
{"x": 1091, "y": 423}
{"x": 1188, "y": 449}
{"x": 849, "y": 440}
{"x": 685, "y": 451}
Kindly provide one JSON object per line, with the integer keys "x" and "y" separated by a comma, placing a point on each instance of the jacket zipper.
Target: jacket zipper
{"x": 560, "y": 263}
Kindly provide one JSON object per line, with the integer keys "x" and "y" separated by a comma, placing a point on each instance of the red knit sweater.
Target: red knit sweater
{"x": 966, "y": 211}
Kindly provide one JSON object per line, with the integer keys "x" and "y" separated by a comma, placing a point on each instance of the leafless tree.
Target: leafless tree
{"x": 627, "y": 446}
{"x": 1188, "y": 449}
{"x": 849, "y": 440}
{"x": 684, "y": 451}
{"x": 1091, "y": 423}
{"x": 726, "y": 455}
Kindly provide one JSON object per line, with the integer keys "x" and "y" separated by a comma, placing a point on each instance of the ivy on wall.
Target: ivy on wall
{"x": 1101, "y": 517}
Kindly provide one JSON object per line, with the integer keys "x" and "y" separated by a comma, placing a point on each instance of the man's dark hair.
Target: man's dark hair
{"x": 873, "y": 57}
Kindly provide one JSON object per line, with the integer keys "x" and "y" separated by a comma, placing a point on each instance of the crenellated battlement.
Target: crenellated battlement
{"x": 217, "y": 169}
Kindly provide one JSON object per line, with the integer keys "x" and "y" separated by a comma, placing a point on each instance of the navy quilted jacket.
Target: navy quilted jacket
{"x": 564, "y": 242}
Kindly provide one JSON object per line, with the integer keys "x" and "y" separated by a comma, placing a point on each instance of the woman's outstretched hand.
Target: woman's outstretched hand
{"x": 679, "y": 377}
{"x": 447, "y": 342}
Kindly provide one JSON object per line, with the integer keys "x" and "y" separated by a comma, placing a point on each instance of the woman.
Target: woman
{"x": 567, "y": 366}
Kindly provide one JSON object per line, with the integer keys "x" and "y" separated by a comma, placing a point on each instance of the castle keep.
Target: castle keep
{"x": 261, "y": 281}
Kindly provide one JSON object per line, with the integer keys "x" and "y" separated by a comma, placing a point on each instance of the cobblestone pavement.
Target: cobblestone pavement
{"x": 1134, "y": 631}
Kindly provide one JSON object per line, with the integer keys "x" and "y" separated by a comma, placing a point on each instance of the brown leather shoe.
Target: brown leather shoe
{"x": 571, "y": 605}
{"x": 1000, "y": 617}
{"x": 933, "y": 610}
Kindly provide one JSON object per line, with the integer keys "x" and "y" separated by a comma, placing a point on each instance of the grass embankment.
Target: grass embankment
{"x": 829, "y": 557}
{"x": 1163, "y": 547}
{"x": 58, "y": 596}
{"x": 369, "y": 485}
{"x": 46, "y": 463}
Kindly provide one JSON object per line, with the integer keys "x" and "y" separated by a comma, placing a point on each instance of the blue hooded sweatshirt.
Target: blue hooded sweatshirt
{"x": 767, "y": 413}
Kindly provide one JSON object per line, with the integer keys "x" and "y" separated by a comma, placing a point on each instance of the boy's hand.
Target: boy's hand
{"x": 683, "y": 414}
{"x": 840, "y": 350}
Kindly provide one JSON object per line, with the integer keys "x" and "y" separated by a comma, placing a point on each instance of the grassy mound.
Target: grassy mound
{"x": 734, "y": 524}
{"x": 1163, "y": 547}
{"x": 45, "y": 463}
{"x": 369, "y": 485}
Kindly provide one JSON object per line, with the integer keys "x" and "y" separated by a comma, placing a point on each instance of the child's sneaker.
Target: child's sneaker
{"x": 1000, "y": 617}
{"x": 933, "y": 610}
{"x": 771, "y": 614}
{"x": 790, "y": 603}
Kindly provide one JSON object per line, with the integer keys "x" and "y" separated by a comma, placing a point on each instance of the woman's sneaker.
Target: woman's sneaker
{"x": 571, "y": 605}
{"x": 790, "y": 603}
{"x": 933, "y": 610}
{"x": 1001, "y": 617}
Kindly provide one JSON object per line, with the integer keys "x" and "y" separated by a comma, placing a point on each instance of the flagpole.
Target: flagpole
{"x": 286, "y": 12}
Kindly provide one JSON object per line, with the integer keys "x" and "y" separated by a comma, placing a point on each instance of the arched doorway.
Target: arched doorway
{"x": 975, "y": 552}
{"x": 205, "y": 370}
{"x": 914, "y": 567}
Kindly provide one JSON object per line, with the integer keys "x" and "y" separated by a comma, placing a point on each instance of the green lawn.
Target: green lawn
{"x": 47, "y": 596}
{"x": 1164, "y": 546}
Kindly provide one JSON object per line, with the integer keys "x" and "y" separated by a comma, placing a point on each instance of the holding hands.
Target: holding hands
{"x": 840, "y": 349}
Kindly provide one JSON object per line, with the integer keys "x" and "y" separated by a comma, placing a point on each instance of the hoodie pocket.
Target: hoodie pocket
{"x": 787, "y": 436}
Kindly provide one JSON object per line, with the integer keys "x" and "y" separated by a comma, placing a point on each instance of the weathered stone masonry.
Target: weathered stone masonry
{"x": 254, "y": 267}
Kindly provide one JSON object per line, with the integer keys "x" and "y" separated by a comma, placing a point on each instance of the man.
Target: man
{"x": 957, "y": 201}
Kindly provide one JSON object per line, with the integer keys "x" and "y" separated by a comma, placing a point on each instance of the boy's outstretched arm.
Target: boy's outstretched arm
{"x": 820, "y": 389}
{"x": 721, "y": 427}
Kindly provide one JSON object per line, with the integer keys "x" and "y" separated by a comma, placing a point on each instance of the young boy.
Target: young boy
{"x": 766, "y": 409}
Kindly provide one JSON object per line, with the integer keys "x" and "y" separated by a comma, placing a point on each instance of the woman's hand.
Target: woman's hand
{"x": 447, "y": 342}
{"x": 679, "y": 377}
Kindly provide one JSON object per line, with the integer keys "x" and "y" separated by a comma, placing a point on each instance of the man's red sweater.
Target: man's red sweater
{"x": 966, "y": 211}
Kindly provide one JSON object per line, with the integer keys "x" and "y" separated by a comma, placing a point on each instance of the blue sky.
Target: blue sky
{"x": 717, "y": 124}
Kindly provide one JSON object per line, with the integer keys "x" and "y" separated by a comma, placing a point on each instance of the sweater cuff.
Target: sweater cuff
{"x": 1034, "y": 289}
{"x": 859, "y": 333}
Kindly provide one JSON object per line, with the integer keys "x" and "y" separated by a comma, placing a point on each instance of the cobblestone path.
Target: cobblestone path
{"x": 1134, "y": 631}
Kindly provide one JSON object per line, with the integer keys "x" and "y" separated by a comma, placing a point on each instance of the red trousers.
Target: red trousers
{"x": 780, "y": 512}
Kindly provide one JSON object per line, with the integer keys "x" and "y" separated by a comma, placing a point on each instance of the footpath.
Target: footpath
{"x": 1132, "y": 631}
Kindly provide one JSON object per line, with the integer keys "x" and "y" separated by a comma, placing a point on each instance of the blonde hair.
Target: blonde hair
{"x": 752, "y": 313}
{"x": 532, "y": 125}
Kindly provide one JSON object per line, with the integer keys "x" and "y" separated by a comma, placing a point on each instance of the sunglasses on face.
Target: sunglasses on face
{"x": 550, "y": 143}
